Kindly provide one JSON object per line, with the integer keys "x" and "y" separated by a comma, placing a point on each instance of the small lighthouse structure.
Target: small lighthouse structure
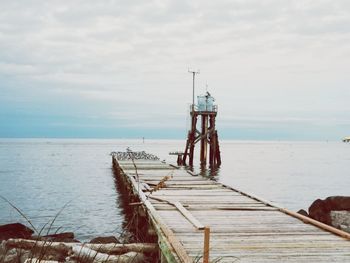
{"x": 206, "y": 135}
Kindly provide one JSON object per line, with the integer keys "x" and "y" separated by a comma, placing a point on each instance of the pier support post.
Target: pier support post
{"x": 206, "y": 244}
{"x": 204, "y": 140}
{"x": 191, "y": 140}
{"x": 206, "y": 135}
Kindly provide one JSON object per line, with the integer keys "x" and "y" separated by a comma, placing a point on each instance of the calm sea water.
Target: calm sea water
{"x": 40, "y": 176}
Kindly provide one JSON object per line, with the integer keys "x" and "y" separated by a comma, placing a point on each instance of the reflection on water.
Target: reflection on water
{"x": 212, "y": 173}
{"x": 40, "y": 176}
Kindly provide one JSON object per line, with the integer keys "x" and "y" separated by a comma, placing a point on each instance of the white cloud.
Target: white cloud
{"x": 274, "y": 55}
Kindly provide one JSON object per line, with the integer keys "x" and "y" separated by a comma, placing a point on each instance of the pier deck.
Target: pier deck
{"x": 243, "y": 228}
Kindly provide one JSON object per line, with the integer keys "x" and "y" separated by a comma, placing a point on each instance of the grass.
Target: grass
{"x": 37, "y": 253}
{"x": 42, "y": 249}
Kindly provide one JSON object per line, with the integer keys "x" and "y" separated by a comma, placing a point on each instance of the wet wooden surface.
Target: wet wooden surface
{"x": 242, "y": 229}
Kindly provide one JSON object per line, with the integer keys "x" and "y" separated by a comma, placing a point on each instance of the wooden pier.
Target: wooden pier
{"x": 200, "y": 220}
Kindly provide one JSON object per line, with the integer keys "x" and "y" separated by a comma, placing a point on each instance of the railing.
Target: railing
{"x": 214, "y": 108}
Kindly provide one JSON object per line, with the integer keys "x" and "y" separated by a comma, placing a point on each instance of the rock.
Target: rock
{"x": 338, "y": 203}
{"x": 104, "y": 240}
{"x": 43, "y": 249}
{"x": 11, "y": 259}
{"x": 16, "y": 230}
{"x": 2, "y": 248}
{"x": 70, "y": 260}
{"x": 11, "y": 256}
{"x": 320, "y": 210}
{"x": 24, "y": 256}
{"x": 341, "y": 220}
{"x": 2, "y": 251}
{"x": 303, "y": 212}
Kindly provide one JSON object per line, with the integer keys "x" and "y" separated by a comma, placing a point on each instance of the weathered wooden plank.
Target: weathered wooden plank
{"x": 271, "y": 237}
{"x": 209, "y": 203}
{"x": 188, "y": 215}
{"x": 141, "y": 168}
{"x": 245, "y": 244}
{"x": 180, "y": 182}
{"x": 215, "y": 207}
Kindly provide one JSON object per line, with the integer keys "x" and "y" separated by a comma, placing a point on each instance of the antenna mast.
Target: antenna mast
{"x": 194, "y": 76}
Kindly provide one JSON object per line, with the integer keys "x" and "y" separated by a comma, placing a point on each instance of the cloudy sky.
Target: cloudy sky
{"x": 279, "y": 69}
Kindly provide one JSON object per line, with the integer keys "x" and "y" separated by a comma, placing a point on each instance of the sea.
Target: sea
{"x": 69, "y": 183}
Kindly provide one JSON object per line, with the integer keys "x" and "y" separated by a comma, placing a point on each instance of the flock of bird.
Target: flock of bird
{"x": 131, "y": 155}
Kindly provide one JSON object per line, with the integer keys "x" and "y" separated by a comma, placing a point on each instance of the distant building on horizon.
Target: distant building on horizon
{"x": 346, "y": 139}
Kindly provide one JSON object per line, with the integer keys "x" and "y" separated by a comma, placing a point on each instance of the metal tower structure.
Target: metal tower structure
{"x": 207, "y": 135}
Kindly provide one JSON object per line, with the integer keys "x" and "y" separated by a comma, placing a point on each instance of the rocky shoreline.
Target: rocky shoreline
{"x": 20, "y": 245}
{"x": 333, "y": 211}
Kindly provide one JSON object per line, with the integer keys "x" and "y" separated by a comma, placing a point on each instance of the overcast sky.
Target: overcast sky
{"x": 279, "y": 69}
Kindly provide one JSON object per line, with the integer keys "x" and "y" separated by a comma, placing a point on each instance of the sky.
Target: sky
{"x": 278, "y": 69}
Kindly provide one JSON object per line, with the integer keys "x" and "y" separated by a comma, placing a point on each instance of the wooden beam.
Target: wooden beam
{"x": 206, "y": 245}
{"x": 202, "y": 136}
{"x": 188, "y": 215}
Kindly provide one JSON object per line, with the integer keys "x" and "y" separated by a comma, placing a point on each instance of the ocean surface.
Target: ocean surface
{"x": 73, "y": 180}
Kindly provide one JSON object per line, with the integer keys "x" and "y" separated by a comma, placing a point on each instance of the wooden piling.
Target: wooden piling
{"x": 206, "y": 135}
{"x": 203, "y": 140}
{"x": 206, "y": 244}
